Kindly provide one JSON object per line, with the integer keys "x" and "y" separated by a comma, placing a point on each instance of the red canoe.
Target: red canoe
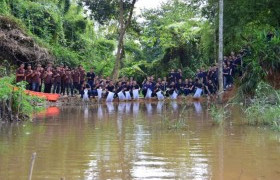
{"x": 47, "y": 96}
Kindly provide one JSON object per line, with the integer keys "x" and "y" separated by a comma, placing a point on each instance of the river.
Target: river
{"x": 138, "y": 141}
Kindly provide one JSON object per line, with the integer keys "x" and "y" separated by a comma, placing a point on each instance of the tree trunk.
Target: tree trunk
{"x": 123, "y": 28}
{"x": 221, "y": 21}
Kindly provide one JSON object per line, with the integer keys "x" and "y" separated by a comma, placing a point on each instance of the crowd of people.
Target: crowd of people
{"x": 68, "y": 82}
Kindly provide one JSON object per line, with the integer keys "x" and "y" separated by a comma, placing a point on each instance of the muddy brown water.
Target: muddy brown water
{"x": 138, "y": 141}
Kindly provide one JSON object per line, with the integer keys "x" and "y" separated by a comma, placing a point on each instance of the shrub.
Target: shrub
{"x": 265, "y": 107}
{"x": 15, "y": 104}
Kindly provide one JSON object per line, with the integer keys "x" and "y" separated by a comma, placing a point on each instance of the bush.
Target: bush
{"x": 263, "y": 58}
{"x": 265, "y": 107}
{"x": 15, "y": 104}
{"x": 4, "y": 7}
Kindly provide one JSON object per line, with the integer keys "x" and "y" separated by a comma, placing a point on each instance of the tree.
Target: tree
{"x": 123, "y": 27}
{"x": 221, "y": 48}
{"x": 170, "y": 38}
{"x": 106, "y": 10}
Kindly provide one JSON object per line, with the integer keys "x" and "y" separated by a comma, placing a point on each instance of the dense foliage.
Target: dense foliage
{"x": 180, "y": 34}
{"x": 253, "y": 25}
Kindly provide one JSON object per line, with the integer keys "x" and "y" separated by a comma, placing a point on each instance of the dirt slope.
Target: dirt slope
{"x": 17, "y": 47}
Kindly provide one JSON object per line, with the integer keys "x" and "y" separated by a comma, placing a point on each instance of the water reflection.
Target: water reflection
{"x": 51, "y": 111}
{"x": 135, "y": 108}
{"x": 151, "y": 164}
{"x": 100, "y": 112}
{"x": 131, "y": 141}
{"x": 198, "y": 107}
{"x": 160, "y": 106}
{"x": 127, "y": 107}
{"x": 86, "y": 114}
{"x": 121, "y": 107}
{"x": 174, "y": 105}
{"x": 132, "y": 108}
{"x": 149, "y": 108}
{"x": 110, "y": 107}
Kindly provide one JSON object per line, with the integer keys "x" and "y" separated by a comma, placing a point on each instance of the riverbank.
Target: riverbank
{"x": 77, "y": 100}
{"x": 15, "y": 104}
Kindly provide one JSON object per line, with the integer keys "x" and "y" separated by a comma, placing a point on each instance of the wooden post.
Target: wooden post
{"x": 32, "y": 165}
{"x": 221, "y": 48}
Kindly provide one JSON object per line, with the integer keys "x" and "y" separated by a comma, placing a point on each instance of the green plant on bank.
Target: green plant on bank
{"x": 264, "y": 108}
{"x": 15, "y": 104}
{"x": 175, "y": 123}
{"x": 218, "y": 114}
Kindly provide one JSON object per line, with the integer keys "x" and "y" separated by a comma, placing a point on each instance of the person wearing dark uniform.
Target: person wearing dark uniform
{"x": 76, "y": 79}
{"x": 179, "y": 75}
{"x": 156, "y": 89}
{"x": 191, "y": 86}
{"x": 82, "y": 75}
{"x": 110, "y": 88}
{"x": 163, "y": 85}
{"x": 186, "y": 88}
{"x": 172, "y": 76}
{"x": 179, "y": 86}
{"x": 48, "y": 75}
{"x": 135, "y": 85}
{"x": 171, "y": 89}
{"x": 119, "y": 88}
{"x": 28, "y": 77}
{"x": 42, "y": 71}
{"x": 210, "y": 88}
{"x": 225, "y": 75}
{"x": 69, "y": 82}
{"x": 57, "y": 81}
{"x": 90, "y": 77}
{"x": 230, "y": 74}
{"x": 147, "y": 85}
{"x": 20, "y": 73}
{"x": 36, "y": 79}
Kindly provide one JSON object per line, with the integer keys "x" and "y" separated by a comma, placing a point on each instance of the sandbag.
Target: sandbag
{"x": 99, "y": 93}
{"x": 85, "y": 96}
{"x": 197, "y": 93}
{"x": 110, "y": 97}
{"x": 149, "y": 94}
{"x": 127, "y": 95}
{"x": 160, "y": 96}
{"x": 135, "y": 93}
{"x": 121, "y": 96}
{"x": 174, "y": 95}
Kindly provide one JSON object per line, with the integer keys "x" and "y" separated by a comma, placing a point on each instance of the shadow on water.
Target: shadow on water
{"x": 130, "y": 140}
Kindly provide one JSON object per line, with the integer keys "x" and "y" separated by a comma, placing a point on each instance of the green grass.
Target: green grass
{"x": 175, "y": 123}
{"x": 264, "y": 108}
{"x": 218, "y": 114}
